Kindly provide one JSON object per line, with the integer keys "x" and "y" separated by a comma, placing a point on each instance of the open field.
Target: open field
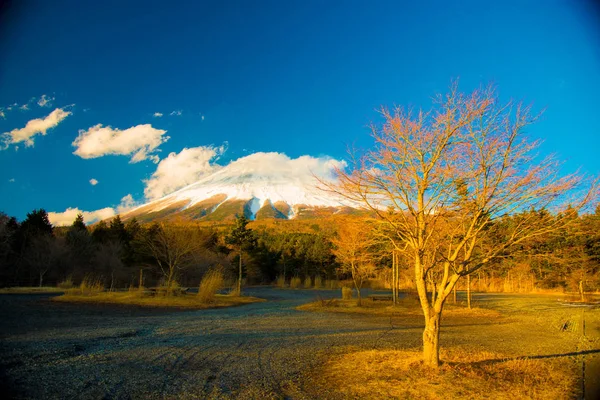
{"x": 135, "y": 298}
{"x": 272, "y": 350}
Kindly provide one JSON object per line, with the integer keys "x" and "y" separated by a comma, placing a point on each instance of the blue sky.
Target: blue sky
{"x": 296, "y": 77}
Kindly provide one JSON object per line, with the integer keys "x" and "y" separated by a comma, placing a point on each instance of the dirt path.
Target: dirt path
{"x": 52, "y": 350}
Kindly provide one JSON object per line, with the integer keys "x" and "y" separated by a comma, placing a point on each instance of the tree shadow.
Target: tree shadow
{"x": 536, "y": 357}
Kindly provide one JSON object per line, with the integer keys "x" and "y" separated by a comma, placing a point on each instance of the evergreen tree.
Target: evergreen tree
{"x": 37, "y": 223}
{"x": 100, "y": 232}
{"x": 117, "y": 231}
{"x": 79, "y": 223}
{"x": 242, "y": 238}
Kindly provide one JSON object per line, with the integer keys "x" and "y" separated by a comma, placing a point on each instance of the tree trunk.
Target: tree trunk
{"x": 41, "y": 278}
{"x": 469, "y": 291}
{"x": 141, "y": 278}
{"x": 431, "y": 340}
{"x": 284, "y": 271}
{"x": 355, "y": 280}
{"x": 239, "y": 289}
{"x": 359, "y": 298}
{"x": 170, "y": 279}
{"x": 581, "y": 294}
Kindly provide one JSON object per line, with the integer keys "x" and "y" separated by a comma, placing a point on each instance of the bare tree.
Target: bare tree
{"x": 107, "y": 260}
{"x": 352, "y": 248}
{"x": 443, "y": 180}
{"x": 44, "y": 253}
{"x": 173, "y": 248}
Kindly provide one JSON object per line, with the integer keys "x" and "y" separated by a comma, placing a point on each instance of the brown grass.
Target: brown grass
{"x": 89, "y": 286}
{"x": 280, "y": 281}
{"x": 308, "y": 282}
{"x": 318, "y": 282}
{"x": 384, "y": 374}
{"x": 295, "y": 282}
{"x": 211, "y": 283}
{"x": 147, "y": 300}
{"x": 406, "y": 307}
{"x": 346, "y": 293}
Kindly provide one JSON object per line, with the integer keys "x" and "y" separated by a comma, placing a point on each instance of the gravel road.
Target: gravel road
{"x": 263, "y": 350}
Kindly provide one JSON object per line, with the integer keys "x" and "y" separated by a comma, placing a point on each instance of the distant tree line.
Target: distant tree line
{"x": 122, "y": 254}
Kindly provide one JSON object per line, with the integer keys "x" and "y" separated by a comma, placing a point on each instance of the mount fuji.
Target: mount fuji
{"x": 261, "y": 186}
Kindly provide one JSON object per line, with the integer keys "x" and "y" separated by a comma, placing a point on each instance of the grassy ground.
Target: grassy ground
{"x": 140, "y": 299}
{"x": 507, "y": 347}
{"x": 31, "y": 290}
{"x": 379, "y": 374}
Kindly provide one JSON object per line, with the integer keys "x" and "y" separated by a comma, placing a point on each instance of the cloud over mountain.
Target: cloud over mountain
{"x": 181, "y": 169}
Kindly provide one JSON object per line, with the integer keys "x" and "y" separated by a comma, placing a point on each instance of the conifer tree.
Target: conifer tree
{"x": 242, "y": 238}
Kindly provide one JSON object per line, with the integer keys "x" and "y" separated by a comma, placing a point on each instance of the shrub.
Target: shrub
{"x": 88, "y": 286}
{"x": 346, "y": 293}
{"x": 281, "y": 281}
{"x": 307, "y": 282}
{"x": 318, "y": 282}
{"x": 295, "y": 282}
{"x": 234, "y": 291}
{"x": 323, "y": 302}
{"x": 66, "y": 284}
{"x": 211, "y": 283}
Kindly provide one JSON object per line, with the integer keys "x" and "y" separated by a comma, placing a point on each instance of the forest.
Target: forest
{"x": 329, "y": 252}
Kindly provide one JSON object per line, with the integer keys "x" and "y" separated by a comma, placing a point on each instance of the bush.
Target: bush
{"x": 89, "y": 286}
{"x": 66, "y": 284}
{"x": 280, "y": 281}
{"x": 346, "y": 293}
{"x": 318, "y": 282}
{"x": 211, "y": 283}
{"x": 295, "y": 282}
{"x": 307, "y": 282}
{"x": 168, "y": 290}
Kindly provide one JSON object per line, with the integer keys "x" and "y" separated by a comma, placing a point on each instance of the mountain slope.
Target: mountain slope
{"x": 256, "y": 189}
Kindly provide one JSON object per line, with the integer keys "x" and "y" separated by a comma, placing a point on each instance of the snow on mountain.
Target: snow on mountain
{"x": 259, "y": 180}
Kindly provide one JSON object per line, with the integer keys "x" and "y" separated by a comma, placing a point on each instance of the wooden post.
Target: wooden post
{"x": 469, "y": 291}
{"x": 454, "y": 290}
{"x": 394, "y": 297}
{"x": 397, "y": 280}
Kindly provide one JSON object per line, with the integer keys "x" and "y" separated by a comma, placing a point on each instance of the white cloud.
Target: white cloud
{"x": 303, "y": 168}
{"x": 36, "y": 126}
{"x": 68, "y": 216}
{"x": 138, "y": 142}
{"x": 45, "y": 101}
{"x": 157, "y": 114}
{"x": 127, "y": 203}
{"x": 176, "y": 113}
{"x": 203, "y": 118}
{"x": 93, "y": 182}
{"x": 2, "y": 115}
{"x": 181, "y": 169}
{"x": 11, "y": 180}
{"x": 24, "y": 107}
